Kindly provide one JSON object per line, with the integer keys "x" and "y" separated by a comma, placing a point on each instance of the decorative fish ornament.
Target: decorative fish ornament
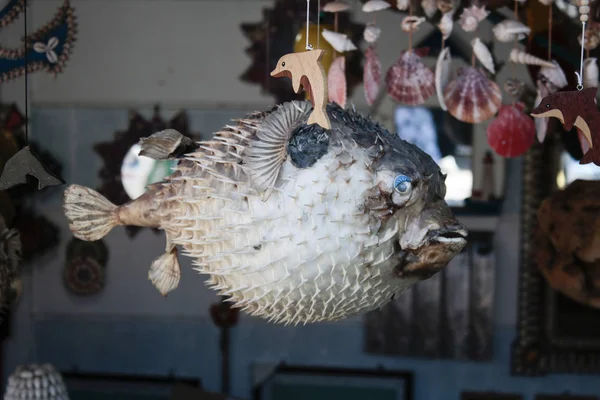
{"x": 296, "y": 223}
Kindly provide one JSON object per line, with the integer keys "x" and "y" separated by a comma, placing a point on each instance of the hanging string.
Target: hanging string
{"x": 410, "y": 13}
{"x": 308, "y": 45}
{"x": 318, "y": 24}
{"x": 550, "y": 33}
{"x": 26, "y": 83}
{"x": 583, "y": 17}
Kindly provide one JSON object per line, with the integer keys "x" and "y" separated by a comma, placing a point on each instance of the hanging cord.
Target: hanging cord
{"x": 550, "y": 33}
{"x": 318, "y": 24}
{"x": 584, "y": 10}
{"x": 308, "y": 45}
{"x": 410, "y": 13}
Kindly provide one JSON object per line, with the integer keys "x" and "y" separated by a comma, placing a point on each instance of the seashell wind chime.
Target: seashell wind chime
{"x": 372, "y": 68}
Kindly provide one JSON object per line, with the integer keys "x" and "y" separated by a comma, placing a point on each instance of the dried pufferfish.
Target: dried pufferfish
{"x": 294, "y": 222}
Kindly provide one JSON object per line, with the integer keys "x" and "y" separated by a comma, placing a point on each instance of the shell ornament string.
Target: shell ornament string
{"x": 409, "y": 81}
{"x": 372, "y": 69}
{"x": 577, "y": 108}
{"x": 512, "y": 132}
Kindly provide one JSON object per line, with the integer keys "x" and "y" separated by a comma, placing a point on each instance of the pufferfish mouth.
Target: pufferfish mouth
{"x": 451, "y": 235}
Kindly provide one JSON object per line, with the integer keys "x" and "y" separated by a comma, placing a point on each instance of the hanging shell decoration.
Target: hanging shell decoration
{"x": 429, "y": 7}
{"x": 446, "y": 6}
{"x": 442, "y": 75}
{"x": 409, "y": 81}
{"x": 336, "y": 6}
{"x": 520, "y": 57}
{"x": 339, "y": 41}
{"x": 566, "y": 7}
{"x": 590, "y": 72}
{"x": 446, "y": 24}
{"x": 509, "y": 31}
{"x": 512, "y": 132}
{"x": 402, "y": 5}
{"x": 375, "y": 5}
{"x": 592, "y": 39}
{"x": 371, "y": 33}
{"x": 472, "y": 97}
{"x": 514, "y": 87}
{"x": 483, "y": 54}
{"x": 34, "y": 382}
{"x": 546, "y": 2}
{"x": 471, "y": 17}
{"x": 549, "y": 80}
{"x": 336, "y": 82}
{"x": 411, "y": 23}
{"x": 371, "y": 75}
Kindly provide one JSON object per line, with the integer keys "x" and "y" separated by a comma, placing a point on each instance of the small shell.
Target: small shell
{"x": 336, "y": 81}
{"x": 509, "y": 30}
{"x": 472, "y": 97}
{"x": 445, "y": 6}
{"x": 336, "y": 6}
{"x": 590, "y": 72}
{"x": 514, "y": 87}
{"x": 520, "y": 57}
{"x": 429, "y": 7}
{"x": 555, "y": 77}
{"x": 442, "y": 74}
{"x": 371, "y": 75}
{"x": 445, "y": 25}
{"x": 411, "y": 23}
{"x": 541, "y": 124}
{"x": 409, "y": 81}
{"x": 402, "y": 5}
{"x": 338, "y": 41}
{"x": 375, "y": 5}
{"x": 471, "y": 17}
{"x": 371, "y": 33}
{"x": 546, "y": 2}
{"x": 483, "y": 54}
{"x": 592, "y": 39}
{"x": 512, "y": 132}
{"x": 567, "y": 8}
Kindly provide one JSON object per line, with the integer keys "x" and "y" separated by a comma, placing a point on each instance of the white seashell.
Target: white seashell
{"x": 590, "y": 72}
{"x": 567, "y": 8}
{"x": 520, "y": 57}
{"x": 375, "y": 5}
{"x": 471, "y": 17}
{"x": 336, "y": 6}
{"x": 483, "y": 54}
{"x": 442, "y": 75}
{"x": 429, "y": 7}
{"x": 402, "y": 5}
{"x": 546, "y": 2}
{"x": 411, "y": 23}
{"x": 509, "y": 30}
{"x": 371, "y": 33}
{"x": 446, "y": 24}
{"x": 338, "y": 41}
{"x": 554, "y": 77}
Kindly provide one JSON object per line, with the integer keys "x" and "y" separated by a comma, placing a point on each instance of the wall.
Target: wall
{"x": 132, "y": 54}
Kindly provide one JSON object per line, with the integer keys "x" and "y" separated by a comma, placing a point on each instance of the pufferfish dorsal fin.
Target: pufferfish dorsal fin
{"x": 268, "y": 151}
{"x": 167, "y": 144}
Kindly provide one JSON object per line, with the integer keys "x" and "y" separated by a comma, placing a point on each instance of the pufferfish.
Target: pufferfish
{"x": 293, "y": 222}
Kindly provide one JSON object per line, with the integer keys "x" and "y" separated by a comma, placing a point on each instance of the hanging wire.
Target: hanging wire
{"x": 308, "y": 45}
{"x": 318, "y": 24}
{"x": 580, "y": 73}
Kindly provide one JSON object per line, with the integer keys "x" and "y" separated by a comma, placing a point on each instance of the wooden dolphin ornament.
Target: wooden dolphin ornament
{"x": 579, "y": 109}
{"x": 305, "y": 70}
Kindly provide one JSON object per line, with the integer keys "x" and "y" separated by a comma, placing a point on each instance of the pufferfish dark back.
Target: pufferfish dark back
{"x": 294, "y": 223}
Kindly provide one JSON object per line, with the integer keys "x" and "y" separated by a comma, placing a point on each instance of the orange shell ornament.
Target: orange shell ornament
{"x": 472, "y": 97}
{"x": 512, "y": 133}
{"x": 409, "y": 81}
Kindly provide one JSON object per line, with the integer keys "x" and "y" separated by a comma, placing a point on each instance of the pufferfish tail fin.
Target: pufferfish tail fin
{"x": 91, "y": 216}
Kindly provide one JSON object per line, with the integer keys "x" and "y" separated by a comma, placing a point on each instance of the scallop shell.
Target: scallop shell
{"x": 555, "y": 77}
{"x": 409, "y": 81}
{"x": 471, "y": 17}
{"x": 402, "y": 5}
{"x": 512, "y": 132}
{"x": 336, "y": 81}
{"x": 520, "y": 57}
{"x": 375, "y": 5}
{"x": 472, "y": 97}
{"x": 371, "y": 75}
{"x": 338, "y": 41}
{"x": 429, "y": 7}
{"x": 483, "y": 54}
{"x": 590, "y": 72}
{"x": 336, "y": 6}
{"x": 509, "y": 30}
{"x": 371, "y": 33}
{"x": 442, "y": 75}
{"x": 445, "y": 25}
{"x": 411, "y": 23}
{"x": 514, "y": 87}
{"x": 445, "y": 6}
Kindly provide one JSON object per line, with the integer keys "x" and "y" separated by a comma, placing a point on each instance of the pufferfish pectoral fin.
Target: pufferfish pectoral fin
{"x": 167, "y": 144}
{"x": 165, "y": 272}
{"x": 268, "y": 150}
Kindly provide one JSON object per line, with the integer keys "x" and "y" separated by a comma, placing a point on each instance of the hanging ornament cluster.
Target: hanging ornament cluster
{"x": 34, "y": 381}
{"x": 577, "y": 108}
{"x": 47, "y": 49}
{"x": 372, "y": 67}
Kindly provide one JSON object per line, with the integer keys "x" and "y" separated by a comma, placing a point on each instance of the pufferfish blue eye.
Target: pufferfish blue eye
{"x": 402, "y": 184}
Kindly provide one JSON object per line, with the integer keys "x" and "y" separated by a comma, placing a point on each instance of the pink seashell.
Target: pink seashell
{"x": 371, "y": 75}
{"x": 336, "y": 81}
{"x": 512, "y": 133}
{"x": 472, "y": 97}
{"x": 409, "y": 81}
{"x": 471, "y": 17}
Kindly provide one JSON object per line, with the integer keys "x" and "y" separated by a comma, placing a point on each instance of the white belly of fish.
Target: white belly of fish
{"x": 306, "y": 254}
